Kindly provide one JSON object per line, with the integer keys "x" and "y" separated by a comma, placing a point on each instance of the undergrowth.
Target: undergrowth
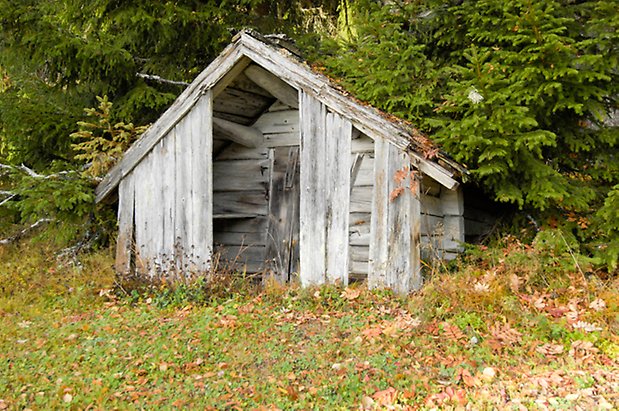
{"x": 504, "y": 327}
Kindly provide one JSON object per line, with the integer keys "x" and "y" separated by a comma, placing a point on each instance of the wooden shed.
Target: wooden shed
{"x": 267, "y": 164}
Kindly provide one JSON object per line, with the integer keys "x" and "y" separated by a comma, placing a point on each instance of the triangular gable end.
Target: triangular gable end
{"x": 248, "y": 47}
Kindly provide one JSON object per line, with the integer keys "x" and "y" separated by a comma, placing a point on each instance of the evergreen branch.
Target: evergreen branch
{"x": 25, "y": 231}
{"x": 162, "y": 80}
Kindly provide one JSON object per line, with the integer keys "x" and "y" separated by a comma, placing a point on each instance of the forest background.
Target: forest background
{"x": 523, "y": 93}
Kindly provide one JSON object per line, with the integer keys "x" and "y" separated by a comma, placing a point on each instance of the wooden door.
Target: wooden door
{"x": 282, "y": 251}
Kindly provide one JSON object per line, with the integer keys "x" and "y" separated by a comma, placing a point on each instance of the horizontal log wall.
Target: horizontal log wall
{"x": 242, "y": 178}
{"x": 362, "y": 182}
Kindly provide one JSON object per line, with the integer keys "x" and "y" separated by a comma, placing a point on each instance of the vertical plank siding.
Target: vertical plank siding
{"x": 172, "y": 212}
{"x": 453, "y": 221}
{"x": 126, "y": 242}
{"x": 337, "y": 172}
{"x": 395, "y": 228}
{"x": 325, "y": 193}
{"x": 312, "y": 117}
{"x": 201, "y": 123}
{"x": 168, "y": 192}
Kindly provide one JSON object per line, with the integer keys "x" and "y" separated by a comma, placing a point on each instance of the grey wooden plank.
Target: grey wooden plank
{"x": 125, "y": 242}
{"x": 283, "y": 211}
{"x": 239, "y": 152}
{"x": 359, "y": 252}
{"x": 399, "y": 266}
{"x": 414, "y": 215}
{"x": 157, "y": 212}
{"x": 377, "y": 275}
{"x": 243, "y": 103}
{"x": 241, "y": 225}
{"x": 282, "y": 139}
{"x": 431, "y": 205}
{"x": 240, "y": 175}
{"x": 182, "y": 201}
{"x": 361, "y": 199}
{"x": 168, "y": 194}
{"x": 201, "y": 129}
{"x": 313, "y": 198}
{"x": 431, "y": 225}
{"x": 240, "y": 134}
{"x": 146, "y": 216}
{"x": 241, "y": 82}
{"x": 247, "y": 239}
{"x": 359, "y": 218}
{"x": 358, "y": 238}
{"x": 452, "y": 202}
{"x": 248, "y": 203}
{"x": 355, "y": 165}
{"x": 430, "y": 187}
{"x": 363, "y": 144}
{"x": 278, "y": 122}
{"x": 278, "y": 88}
{"x": 250, "y": 258}
{"x": 359, "y": 267}
{"x": 365, "y": 174}
{"x": 453, "y": 236}
{"x": 337, "y": 174}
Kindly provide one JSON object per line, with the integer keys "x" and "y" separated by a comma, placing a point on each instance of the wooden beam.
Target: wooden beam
{"x": 243, "y": 135}
{"x": 278, "y": 88}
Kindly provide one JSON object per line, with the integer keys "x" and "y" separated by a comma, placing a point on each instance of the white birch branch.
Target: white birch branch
{"x": 23, "y": 168}
{"x": 9, "y": 195}
{"x": 23, "y": 232}
{"x": 162, "y": 80}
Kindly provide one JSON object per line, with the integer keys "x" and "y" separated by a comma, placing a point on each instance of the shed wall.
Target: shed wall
{"x": 165, "y": 208}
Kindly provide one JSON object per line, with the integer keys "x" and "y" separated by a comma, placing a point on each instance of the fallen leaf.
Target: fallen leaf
{"x": 367, "y": 403}
{"x": 504, "y": 334}
{"x": 598, "y": 304}
{"x": 351, "y": 293}
{"x": 586, "y": 327}
{"x": 488, "y": 374}
{"x": 550, "y": 349}
{"x": 67, "y": 398}
{"x": 386, "y": 397}
{"x": 452, "y": 332}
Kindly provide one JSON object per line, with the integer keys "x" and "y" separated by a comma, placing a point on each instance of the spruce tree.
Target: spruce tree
{"x": 522, "y": 92}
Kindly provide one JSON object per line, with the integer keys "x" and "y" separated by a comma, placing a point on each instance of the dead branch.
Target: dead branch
{"x": 23, "y": 168}
{"x": 162, "y": 80}
{"x": 25, "y": 231}
{"x": 10, "y": 195}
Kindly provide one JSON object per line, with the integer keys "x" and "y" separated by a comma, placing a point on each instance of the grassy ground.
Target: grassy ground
{"x": 493, "y": 334}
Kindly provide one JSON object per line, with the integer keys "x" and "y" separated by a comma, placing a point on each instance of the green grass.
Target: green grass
{"x": 63, "y": 346}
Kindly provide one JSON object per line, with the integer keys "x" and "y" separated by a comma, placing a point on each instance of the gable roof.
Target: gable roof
{"x": 283, "y": 62}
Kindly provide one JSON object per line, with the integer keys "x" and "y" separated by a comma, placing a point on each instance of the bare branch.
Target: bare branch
{"x": 10, "y": 195}
{"x": 25, "y": 231}
{"x": 162, "y": 80}
{"x": 23, "y": 168}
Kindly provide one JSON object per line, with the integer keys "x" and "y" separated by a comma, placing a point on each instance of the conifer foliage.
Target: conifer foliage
{"x": 522, "y": 92}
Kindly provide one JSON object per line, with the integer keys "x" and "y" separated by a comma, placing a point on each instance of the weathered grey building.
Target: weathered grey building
{"x": 266, "y": 163}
